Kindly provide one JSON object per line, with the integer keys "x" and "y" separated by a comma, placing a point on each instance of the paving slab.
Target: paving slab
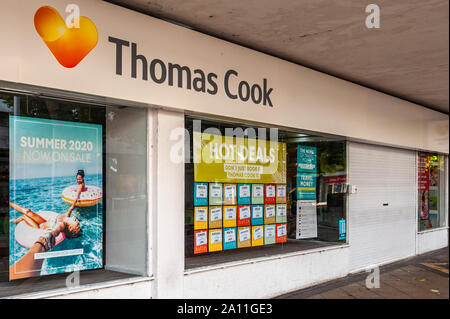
{"x": 337, "y": 293}
{"x": 360, "y": 291}
{"x": 419, "y": 277}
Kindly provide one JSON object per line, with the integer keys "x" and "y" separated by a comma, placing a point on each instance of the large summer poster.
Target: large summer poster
{"x": 52, "y": 164}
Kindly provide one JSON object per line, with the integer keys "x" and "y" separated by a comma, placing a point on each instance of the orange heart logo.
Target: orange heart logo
{"x": 68, "y": 45}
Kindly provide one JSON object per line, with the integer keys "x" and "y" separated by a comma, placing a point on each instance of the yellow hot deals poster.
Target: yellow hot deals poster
{"x": 231, "y": 159}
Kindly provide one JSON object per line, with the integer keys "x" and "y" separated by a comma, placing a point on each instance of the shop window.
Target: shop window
{"x": 431, "y": 190}
{"x": 254, "y": 191}
{"x": 73, "y": 193}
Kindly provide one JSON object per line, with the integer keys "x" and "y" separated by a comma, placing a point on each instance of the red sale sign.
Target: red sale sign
{"x": 339, "y": 179}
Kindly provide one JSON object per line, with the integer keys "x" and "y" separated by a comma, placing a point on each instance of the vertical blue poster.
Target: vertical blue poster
{"x": 306, "y": 159}
{"x": 306, "y": 186}
{"x": 56, "y": 210}
{"x": 342, "y": 229}
{"x": 306, "y": 172}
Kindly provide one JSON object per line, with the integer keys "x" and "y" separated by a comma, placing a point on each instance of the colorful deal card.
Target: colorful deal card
{"x": 215, "y": 194}
{"x": 215, "y": 216}
{"x": 200, "y": 241}
{"x": 229, "y": 194}
{"x": 244, "y": 237}
{"x": 269, "y": 194}
{"x": 257, "y": 214}
{"x": 281, "y": 213}
{"x": 229, "y": 238}
{"x": 244, "y": 192}
{"x": 257, "y": 193}
{"x": 257, "y": 235}
{"x": 244, "y": 215}
{"x": 201, "y": 217}
{"x": 215, "y": 240}
{"x": 281, "y": 232}
{"x": 200, "y": 194}
{"x": 229, "y": 216}
{"x": 281, "y": 193}
{"x": 269, "y": 234}
{"x": 269, "y": 214}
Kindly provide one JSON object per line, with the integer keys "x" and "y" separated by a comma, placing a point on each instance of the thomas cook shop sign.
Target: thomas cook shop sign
{"x": 74, "y": 40}
{"x": 182, "y": 76}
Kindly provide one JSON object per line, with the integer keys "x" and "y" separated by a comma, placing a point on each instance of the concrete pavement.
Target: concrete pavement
{"x": 420, "y": 277}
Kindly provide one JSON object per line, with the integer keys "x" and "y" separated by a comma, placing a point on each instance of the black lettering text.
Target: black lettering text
{"x": 199, "y": 83}
{"x": 212, "y": 82}
{"x": 226, "y": 87}
{"x": 256, "y": 94}
{"x": 163, "y": 72}
{"x": 134, "y": 58}
{"x": 180, "y": 70}
{"x": 267, "y": 94}
{"x": 119, "y": 44}
{"x": 244, "y": 91}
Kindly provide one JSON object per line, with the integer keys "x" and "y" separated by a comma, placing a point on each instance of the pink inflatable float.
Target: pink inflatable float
{"x": 27, "y": 236}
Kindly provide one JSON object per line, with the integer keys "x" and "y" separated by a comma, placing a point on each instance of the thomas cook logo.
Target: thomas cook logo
{"x": 69, "y": 41}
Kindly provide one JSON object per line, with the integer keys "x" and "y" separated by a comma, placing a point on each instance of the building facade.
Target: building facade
{"x": 208, "y": 170}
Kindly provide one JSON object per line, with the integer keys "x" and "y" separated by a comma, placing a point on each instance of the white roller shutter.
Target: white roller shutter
{"x": 380, "y": 233}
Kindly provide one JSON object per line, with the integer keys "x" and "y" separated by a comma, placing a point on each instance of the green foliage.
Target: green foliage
{"x": 331, "y": 156}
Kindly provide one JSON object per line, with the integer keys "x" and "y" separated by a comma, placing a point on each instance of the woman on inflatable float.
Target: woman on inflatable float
{"x": 52, "y": 227}
{"x": 86, "y": 195}
{"x": 80, "y": 182}
{"x": 67, "y": 224}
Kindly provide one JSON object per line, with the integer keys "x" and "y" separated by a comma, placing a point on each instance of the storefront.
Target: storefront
{"x": 152, "y": 161}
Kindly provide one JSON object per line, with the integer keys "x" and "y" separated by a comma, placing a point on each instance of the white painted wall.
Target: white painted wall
{"x": 167, "y": 233}
{"x": 134, "y": 290}
{"x": 267, "y": 277}
{"x": 432, "y": 239}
